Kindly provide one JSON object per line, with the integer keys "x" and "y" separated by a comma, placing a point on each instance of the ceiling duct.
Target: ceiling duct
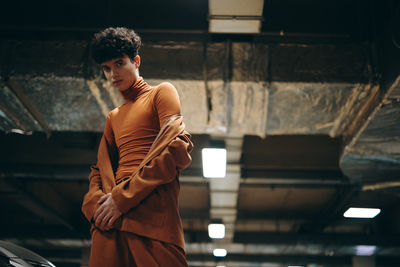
{"x": 235, "y": 16}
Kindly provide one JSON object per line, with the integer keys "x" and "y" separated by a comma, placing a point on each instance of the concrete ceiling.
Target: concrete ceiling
{"x": 309, "y": 111}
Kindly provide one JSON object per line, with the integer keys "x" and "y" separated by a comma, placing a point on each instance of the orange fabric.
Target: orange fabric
{"x": 118, "y": 248}
{"x": 133, "y": 126}
{"x": 149, "y": 199}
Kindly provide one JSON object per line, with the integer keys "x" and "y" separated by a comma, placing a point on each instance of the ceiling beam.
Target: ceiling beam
{"x": 14, "y": 87}
{"x": 41, "y": 232}
{"x": 330, "y": 212}
{"x": 80, "y": 173}
{"x": 334, "y": 261}
{"x": 373, "y": 154}
{"x": 224, "y": 191}
{"x": 325, "y": 239}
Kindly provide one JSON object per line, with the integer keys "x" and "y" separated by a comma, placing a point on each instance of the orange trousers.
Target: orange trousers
{"x": 124, "y": 249}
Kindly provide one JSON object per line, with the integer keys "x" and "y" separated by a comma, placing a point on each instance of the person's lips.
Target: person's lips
{"x": 115, "y": 83}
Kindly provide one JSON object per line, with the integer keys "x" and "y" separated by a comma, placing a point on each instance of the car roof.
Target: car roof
{"x": 12, "y": 250}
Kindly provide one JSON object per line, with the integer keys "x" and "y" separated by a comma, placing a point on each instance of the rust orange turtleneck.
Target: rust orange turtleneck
{"x": 132, "y": 127}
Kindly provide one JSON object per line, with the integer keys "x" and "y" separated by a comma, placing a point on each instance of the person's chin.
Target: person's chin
{"x": 122, "y": 87}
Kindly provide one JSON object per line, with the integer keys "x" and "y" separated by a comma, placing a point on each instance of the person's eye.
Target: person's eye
{"x": 118, "y": 63}
{"x": 106, "y": 69}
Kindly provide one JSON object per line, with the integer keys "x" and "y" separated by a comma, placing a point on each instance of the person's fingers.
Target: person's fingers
{"x": 98, "y": 212}
{"x": 100, "y": 217}
{"x": 111, "y": 221}
{"x": 101, "y": 224}
{"x": 103, "y": 220}
{"x": 106, "y": 215}
{"x": 103, "y": 198}
{"x": 106, "y": 221}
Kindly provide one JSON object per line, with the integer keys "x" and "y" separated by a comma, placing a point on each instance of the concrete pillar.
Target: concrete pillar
{"x": 363, "y": 261}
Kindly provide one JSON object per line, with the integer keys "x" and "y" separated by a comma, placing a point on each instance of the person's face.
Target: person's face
{"x": 122, "y": 72}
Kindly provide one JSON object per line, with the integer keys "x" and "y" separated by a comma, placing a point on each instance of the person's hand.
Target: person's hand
{"x": 107, "y": 213}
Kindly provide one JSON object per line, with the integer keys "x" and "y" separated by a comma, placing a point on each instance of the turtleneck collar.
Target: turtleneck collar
{"x": 133, "y": 92}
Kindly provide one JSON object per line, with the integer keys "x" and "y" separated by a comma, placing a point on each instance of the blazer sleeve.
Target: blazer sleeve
{"x": 95, "y": 192}
{"x": 160, "y": 170}
{"x": 89, "y": 205}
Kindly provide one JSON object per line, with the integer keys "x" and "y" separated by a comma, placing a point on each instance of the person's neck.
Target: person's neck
{"x": 135, "y": 90}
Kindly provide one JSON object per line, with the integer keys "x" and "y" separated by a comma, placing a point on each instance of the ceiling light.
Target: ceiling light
{"x": 219, "y": 252}
{"x": 235, "y": 16}
{"x": 235, "y": 25}
{"x": 361, "y": 213}
{"x": 216, "y": 230}
{"x": 214, "y": 162}
{"x": 236, "y": 7}
{"x": 365, "y": 250}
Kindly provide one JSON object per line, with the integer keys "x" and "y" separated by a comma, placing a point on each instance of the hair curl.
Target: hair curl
{"x": 115, "y": 42}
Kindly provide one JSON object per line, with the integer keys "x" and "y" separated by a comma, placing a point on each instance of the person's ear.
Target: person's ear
{"x": 137, "y": 61}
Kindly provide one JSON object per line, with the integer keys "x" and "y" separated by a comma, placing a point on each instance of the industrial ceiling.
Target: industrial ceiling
{"x": 308, "y": 109}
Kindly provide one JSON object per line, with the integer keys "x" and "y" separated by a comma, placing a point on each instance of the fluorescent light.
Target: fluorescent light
{"x": 235, "y": 16}
{"x": 219, "y": 252}
{"x": 235, "y": 25}
{"x": 365, "y": 250}
{"x": 214, "y": 162}
{"x": 216, "y": 230}
{"x": 361, "y": 213}
{"x": 236, "y": 7}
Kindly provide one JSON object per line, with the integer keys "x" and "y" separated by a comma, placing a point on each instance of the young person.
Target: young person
{"x": 132, "y": 202}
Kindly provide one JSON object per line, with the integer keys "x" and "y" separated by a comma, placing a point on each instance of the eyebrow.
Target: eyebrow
{"x": 113, "y": 62}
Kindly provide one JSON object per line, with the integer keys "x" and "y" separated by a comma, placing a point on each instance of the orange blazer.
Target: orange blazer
{"x": 149, "y": 198}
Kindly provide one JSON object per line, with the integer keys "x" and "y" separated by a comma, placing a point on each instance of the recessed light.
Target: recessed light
{"x": 216, "y": 230}
{"x": 365, "y": 250}
{"x": 219, "y": 252}
{"x": 361, "y": 213}
{"x": 214, "y": 162}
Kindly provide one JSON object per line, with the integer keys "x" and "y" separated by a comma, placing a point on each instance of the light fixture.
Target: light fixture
{"x": 365, "y": 250}
{"x": 214, "y": 160}
{"x": 234, "y": 25}
{"x": 219, "y": 252}
{"x": 367, "y": 213}
{"x": 216, "y": 230}
{"x": 235, "y": 16}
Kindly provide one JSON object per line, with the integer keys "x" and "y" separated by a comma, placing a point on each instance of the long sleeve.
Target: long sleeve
{"x": 96, "y": 190}
{"x": 166, "y": 102}
{"x": 160, "y": 170}
{"x": 89, "y": 205}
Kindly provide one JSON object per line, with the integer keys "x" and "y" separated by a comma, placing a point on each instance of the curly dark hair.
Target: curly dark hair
{"x": 115, "y": 42}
